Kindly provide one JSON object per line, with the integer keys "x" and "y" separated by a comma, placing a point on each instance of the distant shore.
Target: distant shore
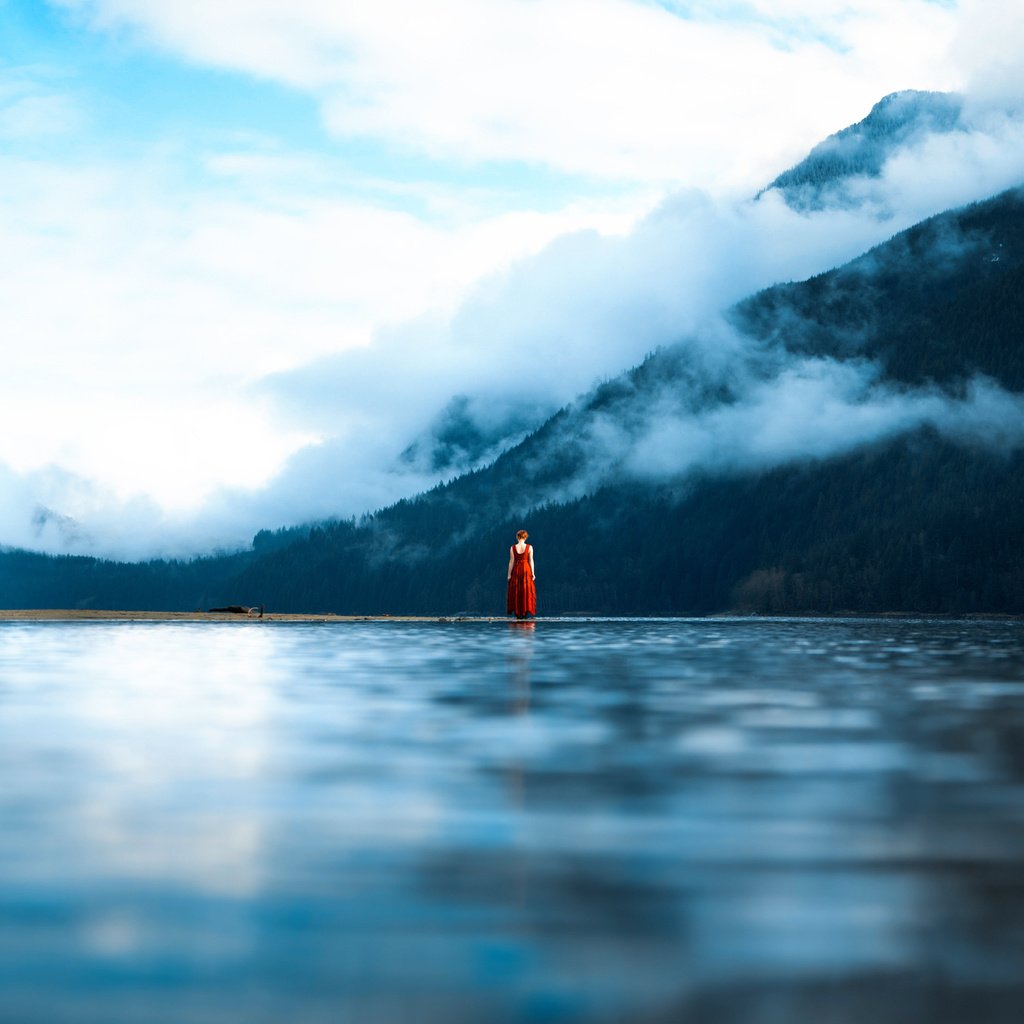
{"x": 91, "y": 614}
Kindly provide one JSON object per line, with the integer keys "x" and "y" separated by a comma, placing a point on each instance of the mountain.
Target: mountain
{"x": 920, "y": 524}
{"x": 826, "y": 176}
{"x": 682, "y": 486}
{"x": 469, "y": 432}
{"x": 916, "y": 520}
{"x": 938, "y": 303}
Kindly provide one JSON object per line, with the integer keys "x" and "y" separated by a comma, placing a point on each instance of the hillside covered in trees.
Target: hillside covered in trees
{"x": 925, "y": 516}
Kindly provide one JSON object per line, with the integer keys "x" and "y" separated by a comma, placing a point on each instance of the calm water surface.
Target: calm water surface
{"x": 698, "y": 820}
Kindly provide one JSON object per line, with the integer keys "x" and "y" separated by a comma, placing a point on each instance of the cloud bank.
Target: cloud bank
{"x": 529, "y": 339}
{"x": 810, "y": 410}
{"x": 276, "y": 333}
{"x": 589, "y": 306}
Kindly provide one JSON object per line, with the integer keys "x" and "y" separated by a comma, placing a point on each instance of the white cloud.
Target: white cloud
{"x": 184, "y": 338}
{"x": 136, "y": 305}
{"x": 589, "y": 305}
{"x": 596, "y": 87}
{"x": 37, "y": 116}
{"x": 245, "y": 287}
{"x": 33, "y": 108}
{"x": 987, "y": 49}
{"x": 813, "y": 409}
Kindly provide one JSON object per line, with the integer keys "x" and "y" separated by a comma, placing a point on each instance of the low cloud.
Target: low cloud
{"x": 589, "y": 306}
{"x": 986, "y": 50}
{"x": 814, "y": 409}
{"x": 527, "y": 340}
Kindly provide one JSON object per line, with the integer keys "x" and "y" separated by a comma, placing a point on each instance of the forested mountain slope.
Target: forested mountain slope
{"x": 470, "y": 430}
{"x": 939, "y": 302}
{"x": 918, "y": 517}
{"x": 918, "y": 524}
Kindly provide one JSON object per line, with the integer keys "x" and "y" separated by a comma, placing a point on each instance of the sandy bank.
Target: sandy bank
{"x": 85, "y": 615}
{"x": 90, "y": 614}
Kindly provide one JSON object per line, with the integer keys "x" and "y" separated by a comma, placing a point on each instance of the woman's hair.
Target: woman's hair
{"x": 522, "y": 535}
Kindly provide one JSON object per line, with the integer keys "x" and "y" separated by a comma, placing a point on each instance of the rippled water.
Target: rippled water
{"x": 703, "y": 820}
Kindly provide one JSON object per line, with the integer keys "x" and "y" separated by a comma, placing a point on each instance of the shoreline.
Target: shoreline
{"x": 111, "y": 615}
{"x": 107, "y": 615}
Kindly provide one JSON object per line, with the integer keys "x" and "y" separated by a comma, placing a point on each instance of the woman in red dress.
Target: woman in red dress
{"x": 522, "y": 594}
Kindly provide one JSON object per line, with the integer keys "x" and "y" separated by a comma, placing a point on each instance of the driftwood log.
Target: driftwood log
{"x": 255, "y": 611}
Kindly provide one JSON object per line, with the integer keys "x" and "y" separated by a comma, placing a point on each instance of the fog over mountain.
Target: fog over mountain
{"x": 835, "y": 173}
{"x": 854, "y": 441}
{"x": 437, "y": 397}
{"x": 921, "y": 332}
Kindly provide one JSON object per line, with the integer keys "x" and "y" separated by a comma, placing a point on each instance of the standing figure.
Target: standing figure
{"x": 522, "y": 594}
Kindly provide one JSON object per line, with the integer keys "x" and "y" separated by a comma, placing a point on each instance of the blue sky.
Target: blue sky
{"x": 199, "y": 200}
{"x": 127, "y": 95}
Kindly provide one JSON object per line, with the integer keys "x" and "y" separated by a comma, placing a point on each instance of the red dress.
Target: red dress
{"x": 522, "y": 594}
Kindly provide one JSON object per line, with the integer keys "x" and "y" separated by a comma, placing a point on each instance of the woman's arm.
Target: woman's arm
{"x": 533, "y": 571}
{"x": 511, "y": 561}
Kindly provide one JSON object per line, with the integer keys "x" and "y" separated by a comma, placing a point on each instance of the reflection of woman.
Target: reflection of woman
{"x": 522, "y": 594}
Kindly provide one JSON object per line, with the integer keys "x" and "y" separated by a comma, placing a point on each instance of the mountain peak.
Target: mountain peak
{"x": 861, "y": 150}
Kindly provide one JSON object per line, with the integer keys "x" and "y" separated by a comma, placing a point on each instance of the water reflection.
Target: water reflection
{"x": 518, "y": 662}
{"x": 624, "y": 821}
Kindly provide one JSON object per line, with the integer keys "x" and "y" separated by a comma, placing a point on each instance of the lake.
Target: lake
{"x": 711, "y": 820}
